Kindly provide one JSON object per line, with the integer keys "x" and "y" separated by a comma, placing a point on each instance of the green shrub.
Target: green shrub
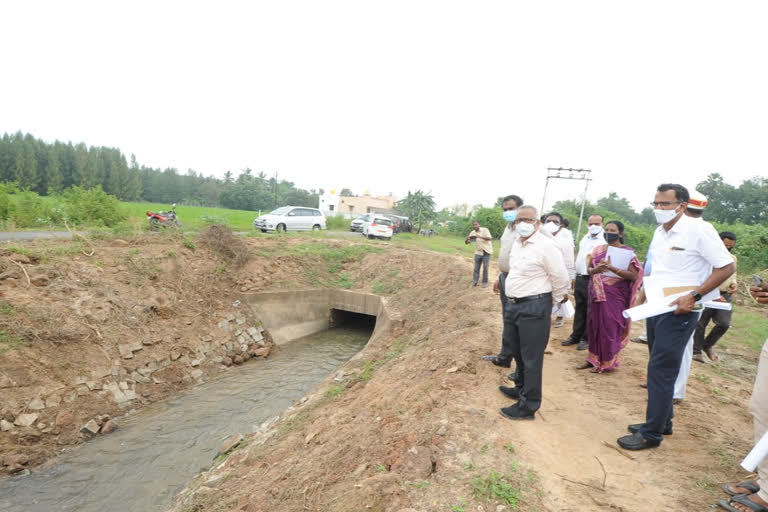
{"x": 751, "y": 247}
{"x": 29, "y": 210}
{"x": 6, "y": 205}
{"x": 92, "y": 207}
{"x": 337, "y": 223}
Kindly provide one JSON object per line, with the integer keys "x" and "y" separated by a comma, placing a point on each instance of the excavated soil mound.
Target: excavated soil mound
{"x": 412, "y": 424}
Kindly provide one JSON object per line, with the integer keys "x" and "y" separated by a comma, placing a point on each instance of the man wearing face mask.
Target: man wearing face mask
{"x": 509, "y": 205}
{"x": 536, "y": 278}
{"x": 720, "y": 317}
{"x": 554, "y": 224}
{"x": 681, "y": 246}
{"x": 592, "y": 239}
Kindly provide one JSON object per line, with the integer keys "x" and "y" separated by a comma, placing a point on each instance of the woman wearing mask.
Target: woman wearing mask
{"x": 608, "y": 330}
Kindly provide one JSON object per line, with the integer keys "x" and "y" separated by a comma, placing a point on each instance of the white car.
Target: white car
{"x": 291, "y": 218}
{"x": 378, "y": 227}
{"x": 358, "y": 223}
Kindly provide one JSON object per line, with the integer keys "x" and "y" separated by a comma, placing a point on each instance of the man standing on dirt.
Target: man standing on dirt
{"x": 752, "y": 495}
{"x": 580, "y": 284}
{"x": 682, "y": 247}
{"x": 483, "y": 251}
{"x": 509, "y": 205}
{"x": 564, "y": 240}
{"x": 536, "y": 274}
{"x": 720, "y": 317}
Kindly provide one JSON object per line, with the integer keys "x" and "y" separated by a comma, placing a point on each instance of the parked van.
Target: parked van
{"x": 291, "y": 218}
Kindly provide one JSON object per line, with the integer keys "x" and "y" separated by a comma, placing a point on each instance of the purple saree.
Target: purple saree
{"x": 608, "y": 331}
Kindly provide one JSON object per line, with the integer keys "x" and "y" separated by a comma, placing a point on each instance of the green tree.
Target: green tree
{"x": 419, "y": 206}
{"x": 345, "y": 192}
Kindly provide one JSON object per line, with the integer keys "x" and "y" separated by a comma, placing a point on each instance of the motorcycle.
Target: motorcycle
{"x": 161, "y": 219}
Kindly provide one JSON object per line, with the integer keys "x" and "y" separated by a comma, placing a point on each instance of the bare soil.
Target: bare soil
{"x": 413, "y": 424}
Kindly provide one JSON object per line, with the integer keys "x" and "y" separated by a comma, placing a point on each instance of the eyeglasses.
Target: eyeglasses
{"x": 656, "y": 204}
{"x": 554, "y": 221}
{"x": 529, "y": 221}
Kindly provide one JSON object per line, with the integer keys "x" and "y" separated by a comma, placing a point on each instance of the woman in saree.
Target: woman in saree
{"x": 608, "y": 330}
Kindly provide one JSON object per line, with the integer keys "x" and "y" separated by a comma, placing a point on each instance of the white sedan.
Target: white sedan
{"x": 378, "y": 227}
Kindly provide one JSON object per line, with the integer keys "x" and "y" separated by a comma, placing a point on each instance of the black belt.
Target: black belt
{"x": 583, "y": 275}
{"x": 518, "y": 300}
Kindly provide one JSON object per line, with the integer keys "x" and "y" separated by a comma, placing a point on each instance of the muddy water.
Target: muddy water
{"x": 161, "y": 448}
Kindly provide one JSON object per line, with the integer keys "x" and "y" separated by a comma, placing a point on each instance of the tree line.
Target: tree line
{"x": 48, "y": 168}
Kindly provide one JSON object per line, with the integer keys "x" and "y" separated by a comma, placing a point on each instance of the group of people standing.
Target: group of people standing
{"x": 538, "y": 268}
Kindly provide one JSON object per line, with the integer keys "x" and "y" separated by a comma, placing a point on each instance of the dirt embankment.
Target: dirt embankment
{"x": 413, "y": 424}
{"x": 88, "y": 337}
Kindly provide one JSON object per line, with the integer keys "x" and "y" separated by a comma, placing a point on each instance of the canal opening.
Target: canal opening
{"x": 351, "y": 320}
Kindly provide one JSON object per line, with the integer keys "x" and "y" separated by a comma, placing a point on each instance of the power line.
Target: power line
{"x": 568, "y": 173}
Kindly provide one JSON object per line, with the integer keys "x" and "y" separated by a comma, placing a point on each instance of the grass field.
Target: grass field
{"x": 749, "y": 327}
{"x": 195, "y": 217}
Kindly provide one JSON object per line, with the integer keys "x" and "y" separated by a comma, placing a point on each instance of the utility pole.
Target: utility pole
{"x": 274, "y": 190}
{"x": 560, "y": 173}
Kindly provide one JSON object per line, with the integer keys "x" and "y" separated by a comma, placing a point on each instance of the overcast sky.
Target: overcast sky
{"x": 469, "y": 100}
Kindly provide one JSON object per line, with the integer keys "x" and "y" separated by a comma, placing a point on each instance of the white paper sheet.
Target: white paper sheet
{"x": 756, "y": 456}
{"x": 655, "y": 284}
{"x": 566, "y": 310}
{"x": 713, "y": 304}
{"x": 620, "y": 258}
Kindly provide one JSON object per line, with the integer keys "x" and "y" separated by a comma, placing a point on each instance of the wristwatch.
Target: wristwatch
{"x": 696, "y": 295}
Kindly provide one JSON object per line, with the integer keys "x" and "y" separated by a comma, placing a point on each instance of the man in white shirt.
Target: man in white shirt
{"x": 554, "y": 223}
{"x": 681, "y": 246}
{"x": 509, "y": 206}
{"x": 536, "y": 275}
{"x": 592, "y": 239}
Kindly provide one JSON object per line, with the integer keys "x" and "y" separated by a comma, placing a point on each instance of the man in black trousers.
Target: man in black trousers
{"x": 509, "y": 205}
{"x": 682, "y": 248}
{"x": 536, "y": 274}
{"x": 592, "y": 239}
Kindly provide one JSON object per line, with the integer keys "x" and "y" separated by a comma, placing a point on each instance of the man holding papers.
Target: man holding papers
{"x": 689, "y": 262}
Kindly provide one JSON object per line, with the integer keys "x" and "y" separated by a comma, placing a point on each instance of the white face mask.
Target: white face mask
{"x": 551, "y": 227}
{"x": 595, "y": 230}
{"x": 664, "y": 216}
{"x": 524, "y": 229}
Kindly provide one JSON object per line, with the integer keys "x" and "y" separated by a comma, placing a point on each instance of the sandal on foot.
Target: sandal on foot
{"x": 742, "y": 499}
{"x": 750, "y": 486}
{"x": 584, "y": 365}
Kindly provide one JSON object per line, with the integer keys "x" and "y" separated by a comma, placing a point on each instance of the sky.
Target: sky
{"x": 467, "y": 100}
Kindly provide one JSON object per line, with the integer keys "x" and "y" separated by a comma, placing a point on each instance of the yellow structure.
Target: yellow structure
{"x": 350, "y": 206}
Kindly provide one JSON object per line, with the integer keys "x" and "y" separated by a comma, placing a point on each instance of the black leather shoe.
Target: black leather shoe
{"x": 512, "y": 376}
{"x": 514, "y": 412}
{"x": 636, "y": 428}
{"x": 636, "y": 442}
{"x": 569, "y": 341}
{"x": 583, "y": 345}
{"x": 512, "y": 393}
{"x": 498, "y": 361}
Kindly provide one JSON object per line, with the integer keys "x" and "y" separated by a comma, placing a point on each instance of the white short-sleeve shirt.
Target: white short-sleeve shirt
{"x": 691, "y": 247}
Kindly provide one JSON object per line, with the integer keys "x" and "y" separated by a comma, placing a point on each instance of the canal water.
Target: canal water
{"x": 158, "y": 450}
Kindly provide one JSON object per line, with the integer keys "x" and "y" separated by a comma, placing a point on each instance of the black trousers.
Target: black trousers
{"x": 722, "y": 321}
{"x": 526, "y": 333}
{"x": 581, "y": 297}
{"x": 507, "y": 351}
{"x": 668, "y": 334}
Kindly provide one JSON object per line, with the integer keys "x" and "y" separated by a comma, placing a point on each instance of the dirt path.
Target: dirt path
{"x": 416, "y": 426}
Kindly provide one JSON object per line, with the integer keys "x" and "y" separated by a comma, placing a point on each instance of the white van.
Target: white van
{"x": 291, "y": 218}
